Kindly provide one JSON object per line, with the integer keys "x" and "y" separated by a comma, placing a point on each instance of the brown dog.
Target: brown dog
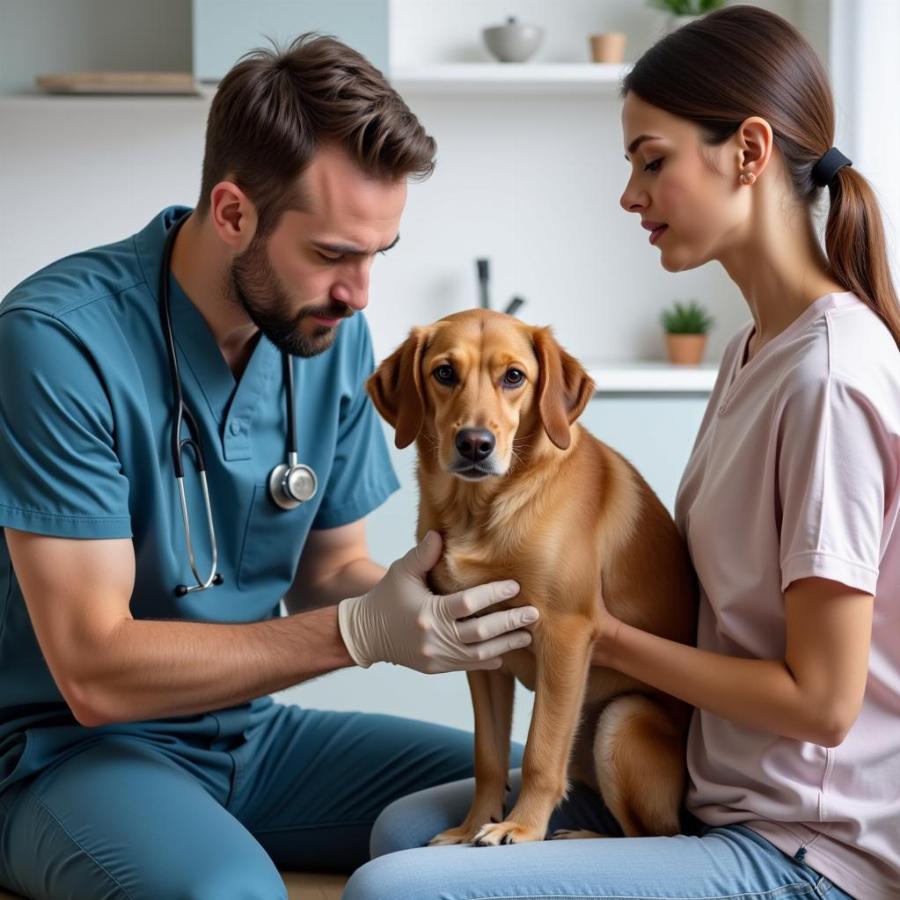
{"x": 519, "y": 491}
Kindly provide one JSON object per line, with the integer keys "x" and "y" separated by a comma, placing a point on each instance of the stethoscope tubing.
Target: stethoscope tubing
{"x": 281, "y": 485}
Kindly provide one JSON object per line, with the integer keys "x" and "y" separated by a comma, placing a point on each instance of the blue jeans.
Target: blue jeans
{"x": 704, "y": 862}
{"x": 209, "y": 807}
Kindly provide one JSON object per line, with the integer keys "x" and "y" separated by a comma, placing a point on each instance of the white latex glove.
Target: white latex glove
{"x": 400, "y": 621}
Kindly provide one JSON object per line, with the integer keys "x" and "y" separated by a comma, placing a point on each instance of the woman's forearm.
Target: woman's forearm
{"x": 757, "y": 693}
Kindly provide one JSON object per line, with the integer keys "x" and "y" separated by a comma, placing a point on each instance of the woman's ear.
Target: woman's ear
{"x": 564, "y": 388}
{"x": 755, "y": 143}
{"x": 396, "y": 388}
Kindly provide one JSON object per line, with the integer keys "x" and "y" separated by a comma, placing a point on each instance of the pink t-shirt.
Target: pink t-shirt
{"x": 794, "y": 473}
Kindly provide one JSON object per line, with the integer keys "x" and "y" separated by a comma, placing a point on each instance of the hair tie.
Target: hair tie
{"x": 828, "y": 166}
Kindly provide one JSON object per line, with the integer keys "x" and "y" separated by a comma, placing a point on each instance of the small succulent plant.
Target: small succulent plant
{"x": 687, "y": 7}
{"x": 686, "y": 318}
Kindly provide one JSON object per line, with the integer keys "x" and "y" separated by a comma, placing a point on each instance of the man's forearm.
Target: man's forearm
{"x": 150, "y": 669}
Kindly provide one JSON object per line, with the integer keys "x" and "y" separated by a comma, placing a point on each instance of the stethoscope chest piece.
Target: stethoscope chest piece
{"x": 291, "y": 484}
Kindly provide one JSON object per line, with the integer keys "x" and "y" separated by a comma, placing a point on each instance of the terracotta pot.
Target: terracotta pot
{"x": 685, "y": 349}
{"x": 608, "y": 47}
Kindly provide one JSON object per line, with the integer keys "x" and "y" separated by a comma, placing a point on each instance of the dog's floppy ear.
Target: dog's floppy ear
{"x": 396, "y": 388}
{"x": 563, "y": 389}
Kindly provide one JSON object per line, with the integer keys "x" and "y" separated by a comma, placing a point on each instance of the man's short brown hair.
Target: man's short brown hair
{"x": 273, "y": 110}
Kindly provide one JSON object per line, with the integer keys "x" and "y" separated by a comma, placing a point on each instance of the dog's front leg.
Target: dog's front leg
{"x": 492, "y": 699}
{"x": 562, "y": 646}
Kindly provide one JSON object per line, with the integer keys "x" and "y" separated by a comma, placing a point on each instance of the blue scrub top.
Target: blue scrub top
{"x": 85, "y": 422}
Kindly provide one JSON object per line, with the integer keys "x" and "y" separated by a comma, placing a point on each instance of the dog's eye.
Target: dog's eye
{"x": 513, "y": 377}
{"x": 445, "y": 374}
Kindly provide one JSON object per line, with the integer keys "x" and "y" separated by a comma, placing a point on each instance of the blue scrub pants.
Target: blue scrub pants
{"x": 206, "y": 808}
{"x": 702, "y": 864}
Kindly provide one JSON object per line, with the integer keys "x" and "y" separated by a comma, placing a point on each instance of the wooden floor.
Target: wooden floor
{"x": 301, "y": 886}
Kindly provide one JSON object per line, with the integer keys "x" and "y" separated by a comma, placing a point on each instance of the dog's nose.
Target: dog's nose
{"x": 476, "y": 444}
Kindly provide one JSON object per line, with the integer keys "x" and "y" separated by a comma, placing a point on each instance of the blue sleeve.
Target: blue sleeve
{"x": 362, "y": 477}
{"x": 59, "y": 471}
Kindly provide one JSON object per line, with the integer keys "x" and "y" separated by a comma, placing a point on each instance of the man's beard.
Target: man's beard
{"x": 256, "y": 288}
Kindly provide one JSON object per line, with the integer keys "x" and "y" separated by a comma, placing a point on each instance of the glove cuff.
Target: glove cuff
{"x": 349, "y": 622}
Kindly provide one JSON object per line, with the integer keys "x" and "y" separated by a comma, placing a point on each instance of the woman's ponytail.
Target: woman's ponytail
{"x": 856, "y": 246}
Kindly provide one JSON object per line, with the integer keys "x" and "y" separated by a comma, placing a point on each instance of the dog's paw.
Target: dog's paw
{"x": 492, "y": 835}
{"x": 573, "y": 834}
{"x": 463, "y": 834}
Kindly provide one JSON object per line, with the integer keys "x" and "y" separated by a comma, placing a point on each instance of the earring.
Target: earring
{"x": 748, "y": 177}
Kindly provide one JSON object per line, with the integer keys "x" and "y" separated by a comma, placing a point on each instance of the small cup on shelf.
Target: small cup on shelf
{"x": 608, "y": 47}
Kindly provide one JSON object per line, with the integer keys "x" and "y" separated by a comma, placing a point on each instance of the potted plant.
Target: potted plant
{"x": 683, "y": 11}
{"x": 686, "y": 326}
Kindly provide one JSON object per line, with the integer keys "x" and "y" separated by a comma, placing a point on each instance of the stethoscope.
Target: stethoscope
{"x": 290, "y": 483}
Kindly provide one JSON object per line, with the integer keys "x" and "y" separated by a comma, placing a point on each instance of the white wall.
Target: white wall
{"x": 533, "y": 184}
{"x": 866, "y": 71}
{"x": 438, "y": 31}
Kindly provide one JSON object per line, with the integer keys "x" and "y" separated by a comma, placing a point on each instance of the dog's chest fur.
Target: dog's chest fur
{"x": 467, "y": 562}
{"x": 499, "y": 542}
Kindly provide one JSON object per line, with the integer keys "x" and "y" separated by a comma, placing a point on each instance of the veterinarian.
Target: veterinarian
{"x": 788, "y": 504}
{"x": 140, "y": 753}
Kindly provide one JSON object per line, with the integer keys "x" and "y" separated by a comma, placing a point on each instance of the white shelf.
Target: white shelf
{"x": 46, "y": 102}
{"x": 443, "y": 78}
{"x": 650, "y": 377}
{"x": 510, "y": 78}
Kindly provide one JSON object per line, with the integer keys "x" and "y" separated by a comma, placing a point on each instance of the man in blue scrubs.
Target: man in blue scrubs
{"x": 140, "y": 753}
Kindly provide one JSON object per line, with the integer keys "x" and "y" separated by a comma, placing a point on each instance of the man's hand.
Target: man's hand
{"x": 400, "y": 621}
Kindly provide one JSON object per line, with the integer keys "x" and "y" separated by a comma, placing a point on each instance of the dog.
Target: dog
{"x": 518, "y": 489}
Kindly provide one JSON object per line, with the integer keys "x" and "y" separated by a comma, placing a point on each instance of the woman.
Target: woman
{"x": 789, "y": 506}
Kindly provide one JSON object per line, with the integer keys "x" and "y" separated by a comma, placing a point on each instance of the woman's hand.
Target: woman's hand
{"x": 605, "y": 637}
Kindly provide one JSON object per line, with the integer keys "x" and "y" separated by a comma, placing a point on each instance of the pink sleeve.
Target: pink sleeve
{"x": 835, "y": 462}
